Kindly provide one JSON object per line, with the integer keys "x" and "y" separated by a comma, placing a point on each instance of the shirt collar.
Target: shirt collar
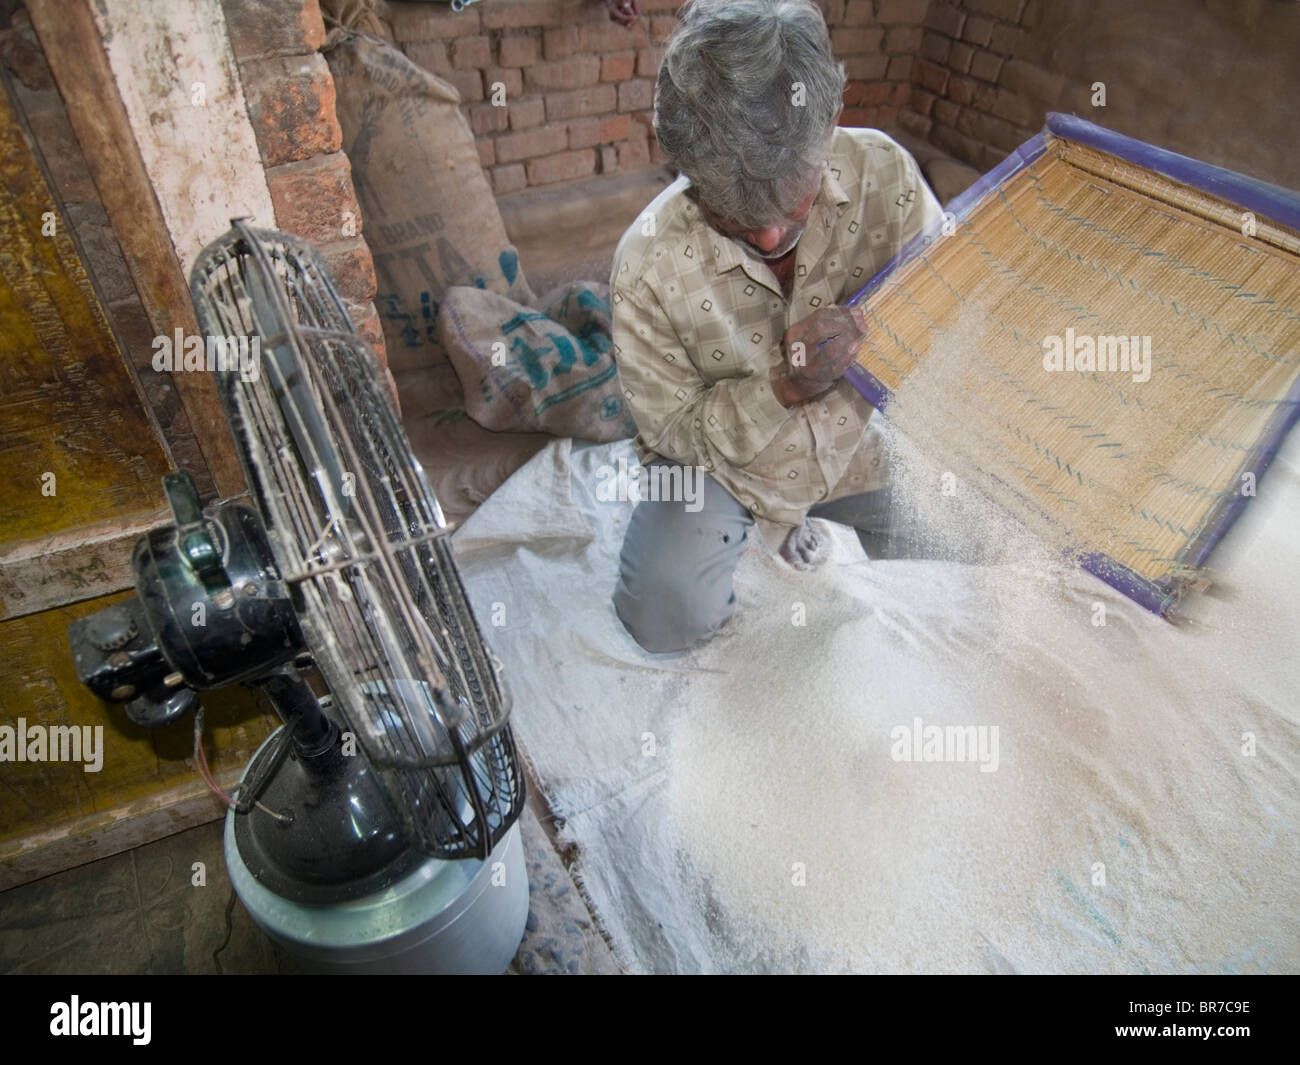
{"x": 727, "y": 254}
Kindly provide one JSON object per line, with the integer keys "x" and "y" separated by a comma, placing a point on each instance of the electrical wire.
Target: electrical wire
{"x": 201, "y": 760}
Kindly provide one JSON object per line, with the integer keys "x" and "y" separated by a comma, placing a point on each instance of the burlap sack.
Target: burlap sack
{"x": 428, "y": 212}
{"x": 524, "y": 370}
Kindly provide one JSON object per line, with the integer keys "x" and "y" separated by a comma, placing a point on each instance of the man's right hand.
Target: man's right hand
{"x": 817, "y": 352}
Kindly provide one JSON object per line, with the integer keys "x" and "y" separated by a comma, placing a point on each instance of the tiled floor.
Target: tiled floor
{"x": 139, "y": 912}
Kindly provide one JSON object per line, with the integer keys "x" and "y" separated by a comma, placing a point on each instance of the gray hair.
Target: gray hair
{"x": 745, "y": 104}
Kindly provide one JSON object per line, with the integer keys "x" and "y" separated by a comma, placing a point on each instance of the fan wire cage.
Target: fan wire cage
{"x": 361, "y": 541}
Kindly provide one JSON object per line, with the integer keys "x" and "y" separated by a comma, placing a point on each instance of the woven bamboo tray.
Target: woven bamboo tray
{"x": 1136, "y": 466}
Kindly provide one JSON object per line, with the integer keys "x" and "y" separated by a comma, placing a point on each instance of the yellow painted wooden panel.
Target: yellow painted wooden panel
{"x": 41, "y": 686}
{"x": 68, "y": 405}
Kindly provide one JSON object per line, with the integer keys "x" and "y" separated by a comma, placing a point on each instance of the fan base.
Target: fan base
{"x": 442, "y": 917}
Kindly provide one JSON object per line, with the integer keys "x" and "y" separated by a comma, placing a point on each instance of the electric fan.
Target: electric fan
{"x": 376, "y": 828}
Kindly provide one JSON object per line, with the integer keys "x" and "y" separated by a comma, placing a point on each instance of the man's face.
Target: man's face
{"x": 774, "y": 242}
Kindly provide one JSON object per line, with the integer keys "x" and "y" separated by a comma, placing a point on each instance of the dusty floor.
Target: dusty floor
{"x": 137, "y": 912}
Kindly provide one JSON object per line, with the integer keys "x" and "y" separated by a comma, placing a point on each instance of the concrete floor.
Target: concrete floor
{"x": 137, "y": 912}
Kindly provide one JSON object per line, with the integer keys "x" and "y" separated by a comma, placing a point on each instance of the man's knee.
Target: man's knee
{"x": 669, "y": 617}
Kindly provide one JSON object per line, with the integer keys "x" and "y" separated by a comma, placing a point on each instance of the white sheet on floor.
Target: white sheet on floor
{"x": 744, "y": 807}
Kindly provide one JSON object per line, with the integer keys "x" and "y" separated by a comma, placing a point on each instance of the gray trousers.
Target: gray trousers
{"x": 675, "y": 570}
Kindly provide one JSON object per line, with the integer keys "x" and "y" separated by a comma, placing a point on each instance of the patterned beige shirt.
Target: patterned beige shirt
{"x": 698, "y": 323}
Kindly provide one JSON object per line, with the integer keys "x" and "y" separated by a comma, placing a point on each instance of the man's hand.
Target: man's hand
{"x": 624, "y": 12}
{"x": 817, "y": 352}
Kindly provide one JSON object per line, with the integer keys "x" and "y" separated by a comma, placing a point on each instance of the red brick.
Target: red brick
{"x": 648, "y": 60}
{"x": 471, "y": 52}
{"x": 594, "y": 100}
{"x": 352, "y": 268}
{"x": 873, "y": 95}
{"x": 960, "y": 56}
{"x": 584, "y": 133}
{"x": 901, "y": 95}
{"x": 961, "y": 90}
{"x": 510, "y": 178}
{"x": 900, "y": 67}
{"x": 616, "y": 128}
{"x": 560, "y": 42}
{"x": 633, "y": 155}
{"x": 545, "y": 140}
{"x": 909, "y": 12}
{"x": 986, "y": 66}
{"x": 314, "y": 199}
{"x": 574, "y": 73}
{"x": 935, "y": 47}
{"x": 258, "y": 30}
{"x": 946, "y": 111}
{"x": 922, "y": 102}
{"x": 512, "y": 83}
{"x": 488, "y": 118}
{"x": 513, "y": 14}
{"x": 945, "y": 18}
{"x": 608, "y": 159}
{"x": 661, "y": 27}
{"x": 903, "y": 39}
{"x": 618, "y": 66}
{"x": 856, "y": 40}
{"x": 607, "y": 36}
{"x": 978, "y": 30}
{"x": 431, "y": 22}
{"x": 525, "y": 114}
{"x": 917, "y": 125}
{"x": 565, "y": 166}
{"x": 853, "y": 91}
{"x": 469, "y": 83}
{"x": 872, "y": 67}
{"x": 858, "y": 116}
{"x": 291, "y": 105}
{"x": 859, "y": 13}
{"x": 643, "y": 124}
{"x": 487, "y": 154}
{"x": 517, "y": 50}
{"x": 931, "y": 77}
{"x": 635, "y": 95}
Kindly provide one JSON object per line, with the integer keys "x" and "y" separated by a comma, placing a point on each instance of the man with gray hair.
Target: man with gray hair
{"x": 730, "y": 336}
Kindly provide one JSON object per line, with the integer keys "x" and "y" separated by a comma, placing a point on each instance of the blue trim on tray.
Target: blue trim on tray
{"x": 1270, "y": 201}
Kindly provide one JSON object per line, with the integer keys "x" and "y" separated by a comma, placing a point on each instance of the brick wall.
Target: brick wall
{"x": 876, "y": 41}
{"x": 578, "y": 90}
{"x": 290, "y": 97}
{"x": 1217, "y": 80}
{"x": 553, "y": 89}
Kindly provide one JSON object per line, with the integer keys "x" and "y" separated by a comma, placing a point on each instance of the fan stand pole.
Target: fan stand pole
{"x": 315, "y": 736}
